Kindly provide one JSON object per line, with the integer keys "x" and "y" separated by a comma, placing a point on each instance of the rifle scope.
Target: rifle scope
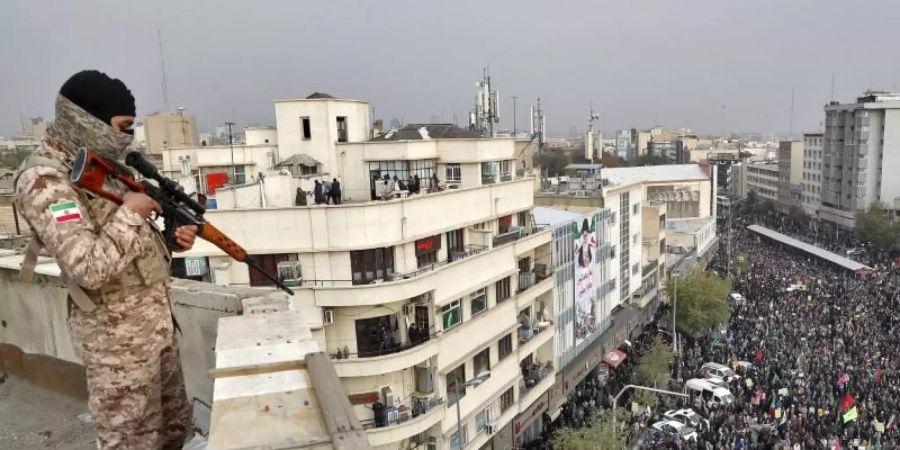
{"x": 169, "y": 187}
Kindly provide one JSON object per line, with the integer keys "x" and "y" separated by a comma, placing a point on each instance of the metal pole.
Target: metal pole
{"x": 16, "y": 219}
{"x": 514, "y": 115}
{"x": 640, "y": 388}
{"x": 458, "y": 418}
{"x": 231, "y": 144}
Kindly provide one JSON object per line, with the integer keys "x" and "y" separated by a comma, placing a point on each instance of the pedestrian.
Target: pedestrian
{"x": 335, "y": 192}
{"x": 300, "y": 199}
{"x": 318, "y": 193}
{"x": 125, "y": 336}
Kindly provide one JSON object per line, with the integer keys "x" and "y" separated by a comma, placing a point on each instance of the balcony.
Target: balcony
{"x": 533, "y": 376}
{"x": 390, "y": 360}
{"x": 533, "y": 338}
{"x": 649, "y": 268}
{"x": 368, "y": 224}
{"x": 409, "y": 419}
{"x": 525, "y": 297}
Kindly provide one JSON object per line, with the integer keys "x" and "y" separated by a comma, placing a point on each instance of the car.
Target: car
{"x": 714, "y": 369}
{"x": 676, "y": 429}
{"x": 688, "y": 417}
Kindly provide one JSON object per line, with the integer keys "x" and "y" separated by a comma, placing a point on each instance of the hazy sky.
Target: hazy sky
{"x": 706, "y": 64}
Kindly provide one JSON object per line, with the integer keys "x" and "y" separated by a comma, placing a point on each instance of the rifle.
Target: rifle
{"x": 90, "y": 171}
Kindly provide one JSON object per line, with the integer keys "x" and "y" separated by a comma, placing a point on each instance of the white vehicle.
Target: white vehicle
{"x": 675, "y": 428}
{"x": 688, "y": 417}
{"x": 713, "y": 369}
{"x": 708, "y": 391}
{"x": 717, "y": 382}
{"x": 737, "y": 299}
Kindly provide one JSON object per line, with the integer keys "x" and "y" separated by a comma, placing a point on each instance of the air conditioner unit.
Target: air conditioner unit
{"x": 328, "y": 316}
{"x": 409, "y": 310}
{"x": 289, "y": 273}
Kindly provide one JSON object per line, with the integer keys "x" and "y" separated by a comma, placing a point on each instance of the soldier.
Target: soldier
{"x": 116, "y": 266}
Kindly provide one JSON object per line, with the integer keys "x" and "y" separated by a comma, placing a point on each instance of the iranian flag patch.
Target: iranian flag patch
{"x": 65, "y": 212}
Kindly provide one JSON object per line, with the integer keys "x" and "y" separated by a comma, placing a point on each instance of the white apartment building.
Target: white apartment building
{"x": 812, "y": 172}
{"x": 762, "y": 178}
{"x": 437, "y": 306}
{"x": 861, "y": 156}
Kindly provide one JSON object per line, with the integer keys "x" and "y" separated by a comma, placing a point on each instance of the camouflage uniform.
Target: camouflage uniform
{"x": 127, "y": 344}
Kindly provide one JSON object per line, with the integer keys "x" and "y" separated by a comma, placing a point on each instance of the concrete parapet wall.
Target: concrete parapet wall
{"x": 34, "y": 337}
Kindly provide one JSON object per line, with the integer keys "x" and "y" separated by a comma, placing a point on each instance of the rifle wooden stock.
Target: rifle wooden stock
{"x": 214, "y": 236}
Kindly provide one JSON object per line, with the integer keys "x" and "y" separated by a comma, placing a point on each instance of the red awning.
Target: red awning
{"x": 614, "y": 358}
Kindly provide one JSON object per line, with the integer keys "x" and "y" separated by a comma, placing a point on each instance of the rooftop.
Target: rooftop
{"x": 425, "y": 131}
{"x": 687, "y": 225}
{"x": 554, "y": 216}
{"x": 655, "y": 174}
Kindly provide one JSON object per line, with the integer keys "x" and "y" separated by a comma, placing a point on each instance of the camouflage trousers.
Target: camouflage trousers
{"x": 134, "y": 376}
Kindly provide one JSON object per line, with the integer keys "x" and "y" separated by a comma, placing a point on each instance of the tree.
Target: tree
{"x": 654, "y": 368}
{"x": 768, "y": 205}
{"x": 599, "y": 436}
{"x": 649, "y": 160}
{"x": 874, "y": 225}
{"x": 13, "y": 160}
{"x": 701, "y": 302}
{"x": 610, "y": 160}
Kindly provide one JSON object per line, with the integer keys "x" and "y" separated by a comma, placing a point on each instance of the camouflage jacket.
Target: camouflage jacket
{"x": 108, "y": 250}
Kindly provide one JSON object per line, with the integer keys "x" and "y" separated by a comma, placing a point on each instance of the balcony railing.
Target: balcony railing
{"x": 532, "y": 376}
{"x": 516, "y": 233}
{"x": 455, "y": 255}
{"x": 529, "y": 332}
{"x": 389, "y": 349}
{"x": 650, "y": 267}
{"x": 414, "y": 407}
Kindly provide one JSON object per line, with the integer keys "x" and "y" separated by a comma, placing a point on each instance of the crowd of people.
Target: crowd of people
{"x": 816, "y": 345}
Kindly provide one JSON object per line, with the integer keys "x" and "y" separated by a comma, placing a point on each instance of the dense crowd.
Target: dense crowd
{"x": 818, "y": 344}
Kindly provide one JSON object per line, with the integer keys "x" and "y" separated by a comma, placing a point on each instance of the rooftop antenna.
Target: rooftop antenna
{"x": 538, "y": 123}
{"x": 832, "y": 86}
{"x": 162, "y": 63}
{"x": 792, "y": 114}
{"x": 487, "y": 107}
{"x": 589, "y": 139}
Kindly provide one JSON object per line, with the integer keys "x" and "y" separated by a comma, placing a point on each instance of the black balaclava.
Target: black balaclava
{"x": 103, "y": 97}
{"x": 84, "y": 107}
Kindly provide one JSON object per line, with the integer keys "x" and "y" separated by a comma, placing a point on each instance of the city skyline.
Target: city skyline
{"x": 708, "y": 66}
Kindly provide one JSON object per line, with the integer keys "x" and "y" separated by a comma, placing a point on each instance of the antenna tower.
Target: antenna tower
{"x": 487, "y": 107}
{"x": 162, "y": 63}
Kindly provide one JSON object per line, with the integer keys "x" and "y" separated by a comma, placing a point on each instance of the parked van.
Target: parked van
{"x": 712, "y": 369}
{"x": 698, "y": 387}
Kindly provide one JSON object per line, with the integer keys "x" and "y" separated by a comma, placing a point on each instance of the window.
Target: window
{"x": 504, "y": 346}
{"x": 427, "y": 250}
{"x": 450, "y": 315}
{"x": 196, "y": 268}
{"x": 377, "y": 336}
{"x": 522, "y": 219}
{"x": 488, "y": 172}
{"x": 240, "y": 175}
{"x": 454, "y": 439}
{"x": 507, "y": 399}
{"x": 503, "y": 292}
{"x": 483, "y": 362}
{"x": 478, "y": 301}
{"x": 457, "y": 375}
{"x": 307, "y": 131}
{"x": 635, "y": 208}
{"x": 455, "y": 242}
{"x": 407, "y": 172}
{"x": 504, "y": 223}
{"x": 452, "y": 173}
{"x": 342, "y": 129}
{"x": 371, "y": 265}
{"x": 635, "y": 268}
{"x": 269, "y": 264}
{"x": 482, "y": 419}
{"x": 634, "y": 239}
{"x": 505, "y": 174}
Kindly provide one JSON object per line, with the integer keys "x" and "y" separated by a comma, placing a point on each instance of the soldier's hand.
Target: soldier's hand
{"x": 142, "y": 204}
{"x": 185, "y": 236}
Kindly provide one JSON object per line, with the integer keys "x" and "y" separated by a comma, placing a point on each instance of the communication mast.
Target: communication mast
{"x": 538, "y": 122}
{"x": 487, "y": 107}
{"x": 589, "y": 139}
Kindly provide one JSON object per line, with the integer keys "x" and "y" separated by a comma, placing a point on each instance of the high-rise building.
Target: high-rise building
{"x": 762, "y": 178}
{"x": 429, "y": 285}
{"x": 861, "y": 156}
{"x": 790, "y": 174}
{"x": 812, "y": 173}
{"x": 169, "y": 129}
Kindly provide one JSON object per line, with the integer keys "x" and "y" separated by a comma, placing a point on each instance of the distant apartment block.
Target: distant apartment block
{"x": 812, "y": 173}
{"x": 861, "y": 156}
